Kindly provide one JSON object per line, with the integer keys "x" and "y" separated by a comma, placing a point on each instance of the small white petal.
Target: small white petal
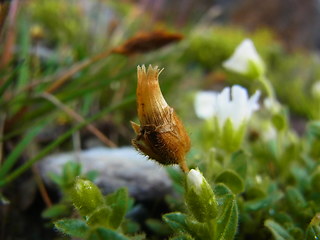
{"x": 244, "y": 53}
{"x": 254, "y": 101}
{"x": 195, "y": 179}
{"x": 315, "y": 89}
{"x": 204, "y": 104}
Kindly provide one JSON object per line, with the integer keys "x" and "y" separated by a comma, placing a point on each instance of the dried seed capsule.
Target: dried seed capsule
{"x": 161, "y": 136}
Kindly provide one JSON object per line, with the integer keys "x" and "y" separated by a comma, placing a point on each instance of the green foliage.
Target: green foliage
{"x": 103, "y": 216}
{"x": 212, "y": 46}
{"x": 73, "y": 227}
{"x": 232, "y": 180}
{"x": 270, "y": 183}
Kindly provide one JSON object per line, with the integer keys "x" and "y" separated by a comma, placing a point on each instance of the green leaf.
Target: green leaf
{"x": 279, "y": 121}
{"x": 227, "y": 221}
{"x": 19, "y": 148}
{"x": 158, "y": 227}
{"x": 177, "y": 221}
{"x": 232, "y": 180}
{"x": 106, "y": 234}
{"x": 141, "y": 236}
{"x": 313, "y": 230}
{"x": 72, "y": 227}
{"x": 295, "y": 199}
{"x": 130, "y": 227}
{"x": 57, "y": 210}
{"x": 92, "y": 175}
{"x": 100, "y": 217}
{"x": 278, "y": 232}
{"x": 315, "y": 180}
{"x": 273, "y": 195}
{"x": 56, "y": 178}
{"x": 239, "y": 163}
{"x": 182, "y": 237}
{"x": 70, "y": 171}
{"x": 313, "y": 129}
{"x": 180, "y": 222}
{"x": 118, "y": 202}
{"x": 221, "y": 190}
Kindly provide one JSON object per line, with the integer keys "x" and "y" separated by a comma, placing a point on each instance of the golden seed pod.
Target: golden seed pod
{"x": 161, "y": 135}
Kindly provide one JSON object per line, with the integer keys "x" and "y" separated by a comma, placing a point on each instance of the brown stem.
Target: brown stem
{"x": 78, "y": 118}
{"x": 184, "y": 167}
{"x": 11, "y": 34}
{"x": 41, "y": 186}
{"x": 65, "y": 76}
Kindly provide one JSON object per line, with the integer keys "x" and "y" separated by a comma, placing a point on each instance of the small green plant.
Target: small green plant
{"x": 102, "y": 216}
{"x": 65, "y": 182}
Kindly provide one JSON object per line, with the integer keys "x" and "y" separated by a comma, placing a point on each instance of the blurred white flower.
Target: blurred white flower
{"x": 272, "y": 105}
{"x": 233, "y": 104}
{"x": 195, "y": 179}
{"x": 204, "y": 104}
{"x": 245, "y": 60}
{"x": 315, "y": 89}
{"x": 270, "y": 133}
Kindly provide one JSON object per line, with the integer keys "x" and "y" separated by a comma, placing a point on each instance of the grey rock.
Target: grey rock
{"x": 118, "y": 167}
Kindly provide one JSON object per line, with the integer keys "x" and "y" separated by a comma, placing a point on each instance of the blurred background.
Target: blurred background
{"x": 67, "y": 63}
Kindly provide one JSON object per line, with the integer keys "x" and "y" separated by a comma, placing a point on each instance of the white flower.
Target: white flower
{"x": 315, "y": 89}
{"x": 270, "y": 133}
{"x": 272, "y": 105}
{"x": 233, "y": 104}
{"x": 195, "y": 179}
{"x": 245, "y": 60}
{"x": 204, "y": 104}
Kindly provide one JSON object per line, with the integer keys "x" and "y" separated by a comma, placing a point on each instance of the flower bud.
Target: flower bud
{"x": 161, "y": 135}
{"x": 199, "y": 197}
{"x": 86, "y": 196}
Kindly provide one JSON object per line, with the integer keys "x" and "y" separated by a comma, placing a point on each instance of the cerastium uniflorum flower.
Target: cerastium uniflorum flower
{"x": 161, "y": 135}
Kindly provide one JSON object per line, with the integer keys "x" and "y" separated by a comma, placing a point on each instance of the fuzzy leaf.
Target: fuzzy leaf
{"x": 72, "y": 227}
{"x": 232, "y": 180}
{"x": 56, "y": 210}
{"x": 315, "y": 180}
{"x": 70, "y": 171}
{"x": 221, "y": 190}
{"x": 177, "y": 221}
{"x": 239, "y": 163}
{"x": 295, "y": 199}
{"x": 313, "y": 230}
{"x": 158, "y": 227}
{"x": 106, "y": 234}
{"x": 227, "y": 221}
{"x": 118, "y": 202}
{"x": 182, "y": 237}
{"x": 278, "y": 232}
{"x": 100, "y": 217}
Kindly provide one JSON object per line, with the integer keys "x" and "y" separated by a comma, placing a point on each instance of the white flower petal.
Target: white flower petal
{"x": 204, "y": 104}
{"x": 195, "y": 179}
{"x": 243, "y": 54}
{"x": 233, "y": 104}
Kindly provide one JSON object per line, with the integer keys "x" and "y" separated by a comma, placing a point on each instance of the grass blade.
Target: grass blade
{"x": 59, "y": 140}
{"x": 14, "y": 155}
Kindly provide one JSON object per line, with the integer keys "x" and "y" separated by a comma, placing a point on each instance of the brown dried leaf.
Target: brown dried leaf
{"x": 145, "y": 42}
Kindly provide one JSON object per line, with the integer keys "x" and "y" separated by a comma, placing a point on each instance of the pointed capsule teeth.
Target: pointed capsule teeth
{"x": 152, "y": 107}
